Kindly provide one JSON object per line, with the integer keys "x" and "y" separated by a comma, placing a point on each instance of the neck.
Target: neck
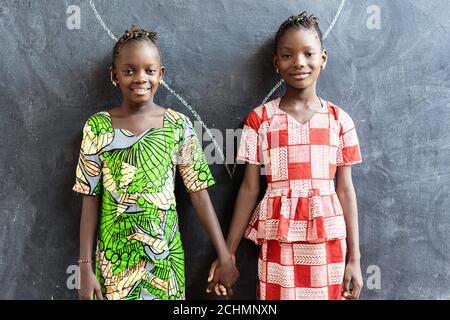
{"x": 133, "y": 108}
{"x": 306, "y": 96}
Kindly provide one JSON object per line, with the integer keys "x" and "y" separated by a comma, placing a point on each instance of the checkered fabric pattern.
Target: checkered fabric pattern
{"x": 299, "y": 223}
{"x": 301, "y": 270}
{"x": 300, "y": 162}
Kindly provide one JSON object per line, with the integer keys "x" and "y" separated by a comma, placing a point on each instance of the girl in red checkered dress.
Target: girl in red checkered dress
{"x": 307, "y": 221}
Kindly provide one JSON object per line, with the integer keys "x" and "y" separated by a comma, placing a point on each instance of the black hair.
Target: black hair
{"x": 134, "y": 34}
{"x": 303, "y": 21}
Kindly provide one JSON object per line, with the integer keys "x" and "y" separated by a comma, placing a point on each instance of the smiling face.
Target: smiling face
{"x": 138, "y": 70}
{"x": 299, "y": 57}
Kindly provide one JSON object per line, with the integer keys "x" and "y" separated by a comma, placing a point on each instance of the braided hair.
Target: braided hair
{"x": 133, "y": 35}
{"x": 303, "y": 21}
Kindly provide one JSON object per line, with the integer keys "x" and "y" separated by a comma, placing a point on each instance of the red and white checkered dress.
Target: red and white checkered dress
{"x": 299, "y": 223}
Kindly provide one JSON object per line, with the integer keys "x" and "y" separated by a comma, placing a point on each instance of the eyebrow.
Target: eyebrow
{"x": 307, "y": 47}
{"x": 132, "y": 65}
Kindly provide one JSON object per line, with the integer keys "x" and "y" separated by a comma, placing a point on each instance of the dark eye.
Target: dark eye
{"x": 128, "y": 71}
{"x": 310, "y": 54}
{"x": 151, "y": 71}
{"x": 286, "y": 56}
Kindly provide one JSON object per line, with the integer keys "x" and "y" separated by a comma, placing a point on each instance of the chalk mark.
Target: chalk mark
{"x": 188, "y": 106}
{"x": 325, "y": 35}
{"x": 102, "y": 23}
{"x": 165, "y": 85}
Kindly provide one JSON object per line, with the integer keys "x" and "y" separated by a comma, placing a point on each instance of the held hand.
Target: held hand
{"x": 352, "y": 275}
{"x": 222, "y": 276}
{"x": 89, "y": 285}
{"x": 218, "y": 288}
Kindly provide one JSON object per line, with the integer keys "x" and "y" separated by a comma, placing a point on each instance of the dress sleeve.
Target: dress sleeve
{"x": 191, "y": 161}
{"x": 348, "y": 152}
{"x": 249, "y": 146}
{"x": 89, "y": 167}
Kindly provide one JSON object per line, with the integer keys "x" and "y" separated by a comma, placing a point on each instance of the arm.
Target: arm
{"x": 88, "y": 227}
{"x": 201, "y": 202}
{"x": 245, "y": 203}
{"x": 347, "y": 197}
{"x": 205, "y": 212}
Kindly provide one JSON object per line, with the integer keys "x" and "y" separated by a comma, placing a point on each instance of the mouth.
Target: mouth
{"x": 300, "y": 75}
{"x": 140, "y": 90}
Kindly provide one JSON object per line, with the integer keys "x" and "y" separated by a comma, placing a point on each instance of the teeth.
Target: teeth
{"x": 141, "y": 90}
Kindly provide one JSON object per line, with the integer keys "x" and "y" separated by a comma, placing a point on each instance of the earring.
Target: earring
{"x": 276, "y": 70}
{"x": 114, "y": 82}
{"x": 111, "y": 77}
{"x": 161, "y": 81}
{"x": 322, "y": 67}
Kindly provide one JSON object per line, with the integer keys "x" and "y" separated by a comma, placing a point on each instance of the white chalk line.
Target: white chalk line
{"x": 99, "y": 18}
{"x": 325, "y": 35}
{"x": 185, "y": 104}
{"x": 165, "y": 85}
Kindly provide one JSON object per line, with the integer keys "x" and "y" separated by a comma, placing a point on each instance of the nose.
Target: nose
{"x": 141, "y": 76}
{"x": 300, "y": 60}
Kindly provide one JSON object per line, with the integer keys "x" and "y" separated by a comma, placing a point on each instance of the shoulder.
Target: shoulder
{"x": 100, "y": 118}
{"x": 97, "y": 133}
{"x": 262, "y": 113}
{"x": 340, "y": 115}
{"x": 176, "y": 118}
{"x": 98, "y": 127}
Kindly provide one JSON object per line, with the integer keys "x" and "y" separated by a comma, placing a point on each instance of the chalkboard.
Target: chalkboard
{"x": 388, "y": 68}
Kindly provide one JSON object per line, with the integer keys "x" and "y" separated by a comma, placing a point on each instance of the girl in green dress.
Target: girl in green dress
{"x": 126, "y": 171}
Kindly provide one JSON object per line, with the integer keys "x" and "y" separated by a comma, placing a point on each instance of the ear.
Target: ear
{"x": 113, "y": 74}
{"x": 275, "y": 60}
{"x": 162, "y": 72}
{"x": 324, "y": 58}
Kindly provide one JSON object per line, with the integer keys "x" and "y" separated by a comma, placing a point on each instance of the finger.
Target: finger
{"x": 216, "y": 288}
{"x": 356, "y": 291}
{"x": 223, "y": 290}
{"x": 230, "y": 292}
{"x": 98, "y": 293}
{"x": 346, "y": 288}
{"x": 211, "y": 286}
{"x": 212, "y": 270}
{"x": 86, "y": 295}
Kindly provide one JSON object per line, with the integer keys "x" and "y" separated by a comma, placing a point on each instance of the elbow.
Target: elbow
{"x": 197, "y": 196}
{"x": 250, "y": 189}
{"x": 346, "y": 193}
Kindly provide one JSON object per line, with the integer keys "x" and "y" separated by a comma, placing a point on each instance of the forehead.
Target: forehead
{"x": 299, "y": 37}
{"x": 136, "y": 52}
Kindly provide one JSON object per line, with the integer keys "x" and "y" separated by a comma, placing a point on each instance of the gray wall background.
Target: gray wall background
{"x": 393, "y": 81}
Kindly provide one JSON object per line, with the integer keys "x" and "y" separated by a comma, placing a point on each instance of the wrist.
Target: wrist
{"x": 85, "y": 267}
{"x": 353, "y": 257}
{"x": 225, "y": 257}
{"x": 232, "y": 246}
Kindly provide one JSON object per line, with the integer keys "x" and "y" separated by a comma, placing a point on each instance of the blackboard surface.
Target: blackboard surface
{"x": 391, "y": 75}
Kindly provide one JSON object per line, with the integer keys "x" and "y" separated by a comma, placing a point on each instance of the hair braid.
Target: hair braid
{"x": 302, "y": 20}
{"x": 134, "y": 34}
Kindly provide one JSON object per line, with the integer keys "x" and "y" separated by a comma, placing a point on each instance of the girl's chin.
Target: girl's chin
{"x": 300, "y": 85}
{"x": 140, "y": 98}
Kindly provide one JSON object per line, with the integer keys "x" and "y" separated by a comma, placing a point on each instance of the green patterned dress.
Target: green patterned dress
{"x": 139, "y": 249}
